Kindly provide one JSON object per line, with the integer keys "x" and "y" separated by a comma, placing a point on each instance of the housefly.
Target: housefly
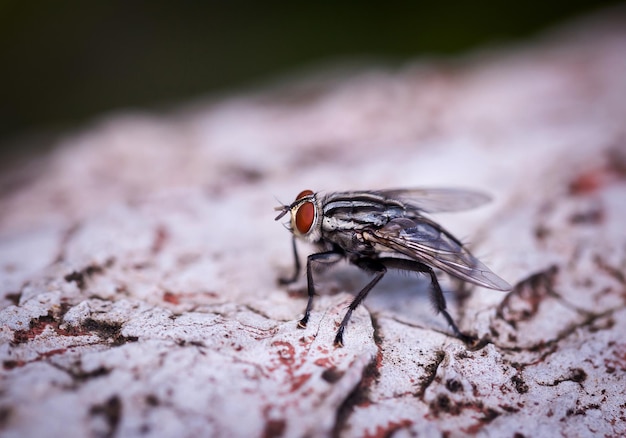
{"x": 386, "y": 229}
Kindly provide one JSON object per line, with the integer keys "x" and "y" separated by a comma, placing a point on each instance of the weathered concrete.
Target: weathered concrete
{"x": 138, "y": 260}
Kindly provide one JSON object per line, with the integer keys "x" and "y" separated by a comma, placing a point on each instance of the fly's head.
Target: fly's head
{"x": 305, "y": 218}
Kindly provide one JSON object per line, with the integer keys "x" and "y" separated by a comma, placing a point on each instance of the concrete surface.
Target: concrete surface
{"x": 139, "y": 258}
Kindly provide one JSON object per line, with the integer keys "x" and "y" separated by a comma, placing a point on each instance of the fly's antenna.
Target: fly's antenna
{"x": 283, "y": 211}
{"x": 282, "y": 208}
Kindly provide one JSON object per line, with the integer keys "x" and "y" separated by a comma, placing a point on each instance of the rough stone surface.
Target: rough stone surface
{"x": 139, "y": 258}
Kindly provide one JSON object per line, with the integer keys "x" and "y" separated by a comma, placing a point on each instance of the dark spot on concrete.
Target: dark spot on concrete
{"x": 454, "y": 385}
{"x": 110, "y": 331}
{"x": 358, "y": 397}
{"x": 14, "y": 298}
{"x": 519, "y": 384}
{"x": 111, "y": 411}
{"x": 616, "y": 360}
{"x": 36, "y": 327}
{"x": 543, "y": 346}
{"x": 82, "y": 376}
{"x": 522, "y": 303}
{"x": 332, "y": 375}
{"x": 519, "y": 435}
{"x": 591, "y": 217}
{"x": 542, "y": 232}
{"x": 509, "y": 409}
{"x": 152, "y": 400}
{"x": 579, "y": 411}
{"x": 442, "y": 403}
{"x": 103, "y": 329}
{"x": 601, "y": 324}
{"x": 274, "y": 428}
{"x": 5, "y": 415}
{"x": 11, "y": 364}
{"x": 81, "y": 277}
{"x": 575, "y": 375}
{"x": 431, "y": 372}
{"x": 578, "y": 375}
{"x": 462, "y": 355}
{"x": 490, "y": 415}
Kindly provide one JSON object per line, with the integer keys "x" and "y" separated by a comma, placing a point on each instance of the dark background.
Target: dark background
{"x": 64, "y": 62}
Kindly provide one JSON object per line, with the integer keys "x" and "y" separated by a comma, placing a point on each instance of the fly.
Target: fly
{"x": 386, "y": 229}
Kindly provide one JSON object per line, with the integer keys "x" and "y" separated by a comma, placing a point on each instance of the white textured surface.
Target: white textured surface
{"x": 138, "y": 261}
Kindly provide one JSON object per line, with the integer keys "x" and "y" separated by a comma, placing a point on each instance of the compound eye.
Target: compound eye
{"x": 303, "y": 193}
{"x": 305, "y": 217}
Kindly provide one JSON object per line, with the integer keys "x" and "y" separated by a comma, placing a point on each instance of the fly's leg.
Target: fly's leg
{"x": 437, "y": 297}
{"x": 368, "y": 265}
{"x": 296, "y": 273}
{"x": 321, "y": 257}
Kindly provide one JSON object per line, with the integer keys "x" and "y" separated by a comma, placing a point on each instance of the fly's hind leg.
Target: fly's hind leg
{"x": 437, "y": 297}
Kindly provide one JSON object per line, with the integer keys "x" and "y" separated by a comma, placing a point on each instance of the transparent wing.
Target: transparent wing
{"x": 425, "y": 241}
{"x": 437, "y": 200}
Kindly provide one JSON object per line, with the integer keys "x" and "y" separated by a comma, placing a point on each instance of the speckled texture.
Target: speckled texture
{"x": 138, "y": 260}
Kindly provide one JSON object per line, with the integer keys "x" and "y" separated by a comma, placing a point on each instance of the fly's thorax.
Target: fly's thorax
{"x": 306, "y": 216}
{"x": 357, "y": 211}
{"x": 346, "y": 216}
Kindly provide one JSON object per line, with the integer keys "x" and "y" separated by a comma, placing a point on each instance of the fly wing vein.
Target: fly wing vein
{"x": 434, "y": 247}
{"x": 437, "y": 199}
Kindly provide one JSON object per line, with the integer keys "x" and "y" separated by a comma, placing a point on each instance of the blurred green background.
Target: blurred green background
{"x": 64, "y": 62}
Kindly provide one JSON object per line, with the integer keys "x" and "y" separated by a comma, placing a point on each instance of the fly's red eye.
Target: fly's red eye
{"x": 305, "y": 217}
{"x": 303, "y": 193}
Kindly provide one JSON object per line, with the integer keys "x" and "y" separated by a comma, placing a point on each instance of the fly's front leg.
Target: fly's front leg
{"x": 321, "y": 257}
{"x": 437, "y": 297}
{"x": 296, "y": 259}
